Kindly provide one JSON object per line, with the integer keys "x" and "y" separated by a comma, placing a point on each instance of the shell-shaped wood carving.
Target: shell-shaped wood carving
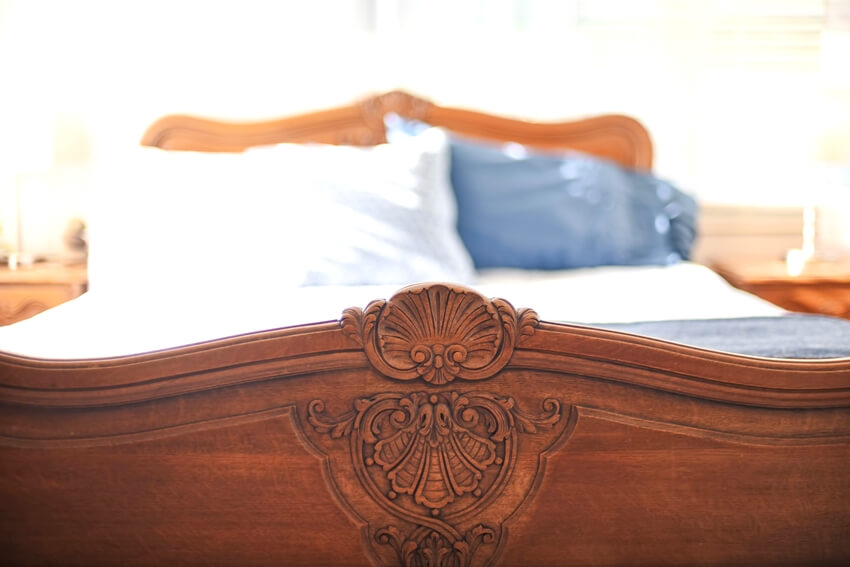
{"x": 439, "y": 333}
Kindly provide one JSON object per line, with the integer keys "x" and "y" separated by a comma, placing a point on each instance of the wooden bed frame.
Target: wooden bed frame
{"x": 436, "y": 427}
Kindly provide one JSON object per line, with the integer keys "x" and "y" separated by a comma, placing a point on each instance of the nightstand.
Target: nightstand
{"x": 822, "y": 287}
{"x": 32, "y": 289}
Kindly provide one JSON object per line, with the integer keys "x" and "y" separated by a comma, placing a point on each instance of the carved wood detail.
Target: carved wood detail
{"x": 438, "y": 333}
{"x": 437, "y": 466}
{"x": 375, "y": 108}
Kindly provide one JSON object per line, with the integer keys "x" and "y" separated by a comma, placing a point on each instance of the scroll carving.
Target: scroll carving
{"x": 435, "y": 464}
{"x": 438, "y": 333}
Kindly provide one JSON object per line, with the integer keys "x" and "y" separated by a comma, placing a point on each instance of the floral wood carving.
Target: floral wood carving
{"x": 438, "y": 333}
{"x": 435, "y": 464}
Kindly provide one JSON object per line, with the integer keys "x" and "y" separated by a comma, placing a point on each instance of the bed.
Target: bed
{"x": 437, "y": 424}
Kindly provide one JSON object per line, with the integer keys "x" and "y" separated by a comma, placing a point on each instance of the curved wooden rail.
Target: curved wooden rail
{"x": 616, "y": 137}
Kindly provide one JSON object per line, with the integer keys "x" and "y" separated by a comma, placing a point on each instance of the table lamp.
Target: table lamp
{"x": 26, "y": 144}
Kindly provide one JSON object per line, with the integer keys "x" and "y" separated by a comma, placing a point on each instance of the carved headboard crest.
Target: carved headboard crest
{"x": 376, "y": 107}
{"x": 438, "y": 333}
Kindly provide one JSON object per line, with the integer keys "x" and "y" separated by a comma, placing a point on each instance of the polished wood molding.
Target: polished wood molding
{"x": 619, "y": 138}
{"x": 556, "y": 347}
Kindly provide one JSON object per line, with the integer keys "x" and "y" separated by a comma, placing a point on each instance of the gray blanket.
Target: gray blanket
{"x": 788, "y": 336}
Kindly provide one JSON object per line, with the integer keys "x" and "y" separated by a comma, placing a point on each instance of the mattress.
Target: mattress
{"x": 104, "y": 323}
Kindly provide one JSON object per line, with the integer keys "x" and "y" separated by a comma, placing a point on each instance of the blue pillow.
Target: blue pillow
{"x": 524, "y": 209}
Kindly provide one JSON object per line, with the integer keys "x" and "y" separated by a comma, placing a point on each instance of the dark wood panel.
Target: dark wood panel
{"x": 620, "y": 492}
{"x": 249, "y": 494}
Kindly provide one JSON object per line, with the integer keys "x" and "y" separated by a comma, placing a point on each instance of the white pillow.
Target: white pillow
{"x": 283, "y": 215}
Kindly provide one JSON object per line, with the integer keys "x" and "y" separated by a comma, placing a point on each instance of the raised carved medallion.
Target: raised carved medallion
{"x": 435, "y": 464}
{"x": 438, "y": 333}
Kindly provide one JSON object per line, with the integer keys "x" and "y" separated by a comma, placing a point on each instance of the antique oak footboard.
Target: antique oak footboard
{"x": 438, "y": 427}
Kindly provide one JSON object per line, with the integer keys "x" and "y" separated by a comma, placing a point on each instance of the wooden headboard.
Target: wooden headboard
{"x": 616, "y": 137}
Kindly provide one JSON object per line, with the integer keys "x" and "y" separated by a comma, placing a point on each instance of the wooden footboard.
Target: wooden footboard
{"x": 435, "y": 428}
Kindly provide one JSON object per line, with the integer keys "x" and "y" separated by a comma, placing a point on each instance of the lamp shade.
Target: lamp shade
{"x": 26, "y": 140}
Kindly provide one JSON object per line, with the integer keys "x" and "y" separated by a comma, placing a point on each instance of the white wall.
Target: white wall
{"x": 103, "y": 69}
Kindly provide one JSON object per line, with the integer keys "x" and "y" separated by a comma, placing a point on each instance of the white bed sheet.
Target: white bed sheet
{"x": 107, "y": 324}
